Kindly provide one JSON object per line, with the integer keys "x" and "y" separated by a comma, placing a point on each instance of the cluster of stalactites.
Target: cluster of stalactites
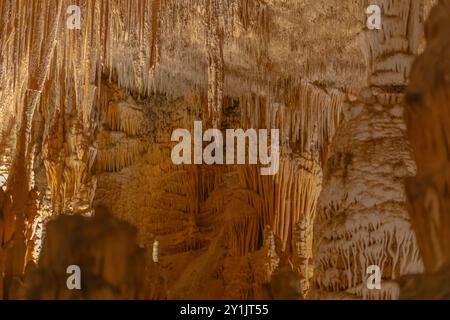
{"x": 109, "y": 32}
{"x": 427, "y": 117}
{"x": 351, "y": 238}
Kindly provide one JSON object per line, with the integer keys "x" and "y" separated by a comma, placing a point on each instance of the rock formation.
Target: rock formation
{"x": 362, "y": 218}
{"x": 90, "y": 93}
{"x": 428, "y": 194}
{"x": 111, "y": 265}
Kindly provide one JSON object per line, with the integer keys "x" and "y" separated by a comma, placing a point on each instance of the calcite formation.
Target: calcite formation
{"x": 428, "y": 194}
{"x": 89, "y": 99}
{"x": 111, "y": 264}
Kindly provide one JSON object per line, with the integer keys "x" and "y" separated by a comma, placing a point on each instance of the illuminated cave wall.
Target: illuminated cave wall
{"x": 428, "y": 192}
{"x": 86, "y": 121}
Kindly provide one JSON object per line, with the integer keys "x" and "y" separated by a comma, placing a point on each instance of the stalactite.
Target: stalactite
{"x": 41, "y": 46}
{"x": 271, "y": 251}
{"x": 120, "y": 155}
{"x": 279, "y": 204}
{"x": 361, "y": 219}
{"x": 98, "y": 246}
{"x": 214, "y": 44}
{"x": 121, "y": 140}
{"x": 125, "y": 118}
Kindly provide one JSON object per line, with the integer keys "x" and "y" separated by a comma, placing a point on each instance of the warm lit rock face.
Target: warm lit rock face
{"x": 427, "y": 116}
{"x": 104, "y": 249}
{"x": 362, "y": 218}
{"x": 86, "y": 118}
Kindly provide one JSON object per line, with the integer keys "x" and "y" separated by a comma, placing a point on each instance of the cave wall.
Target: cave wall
{"x": 87, "y": 117}
{"x": 362, "y": 218}
{"x": 111, "y": 264}
{"x": 428, "y": 192}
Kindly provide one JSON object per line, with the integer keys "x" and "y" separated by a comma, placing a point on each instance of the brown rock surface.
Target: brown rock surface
{"x": 112, "y": 265}
{"x": 427, "y": 117}
{"x": 86, "y": 118}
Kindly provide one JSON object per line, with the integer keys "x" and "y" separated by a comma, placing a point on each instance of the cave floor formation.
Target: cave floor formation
{"x": 96, "y": 94}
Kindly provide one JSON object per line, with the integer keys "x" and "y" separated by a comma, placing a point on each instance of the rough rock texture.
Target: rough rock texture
{"x": 86, "y": 118}
{"x": 362, "y": 218}
{"x": 105, "y": 249}
{"x": 427, "y": 116}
